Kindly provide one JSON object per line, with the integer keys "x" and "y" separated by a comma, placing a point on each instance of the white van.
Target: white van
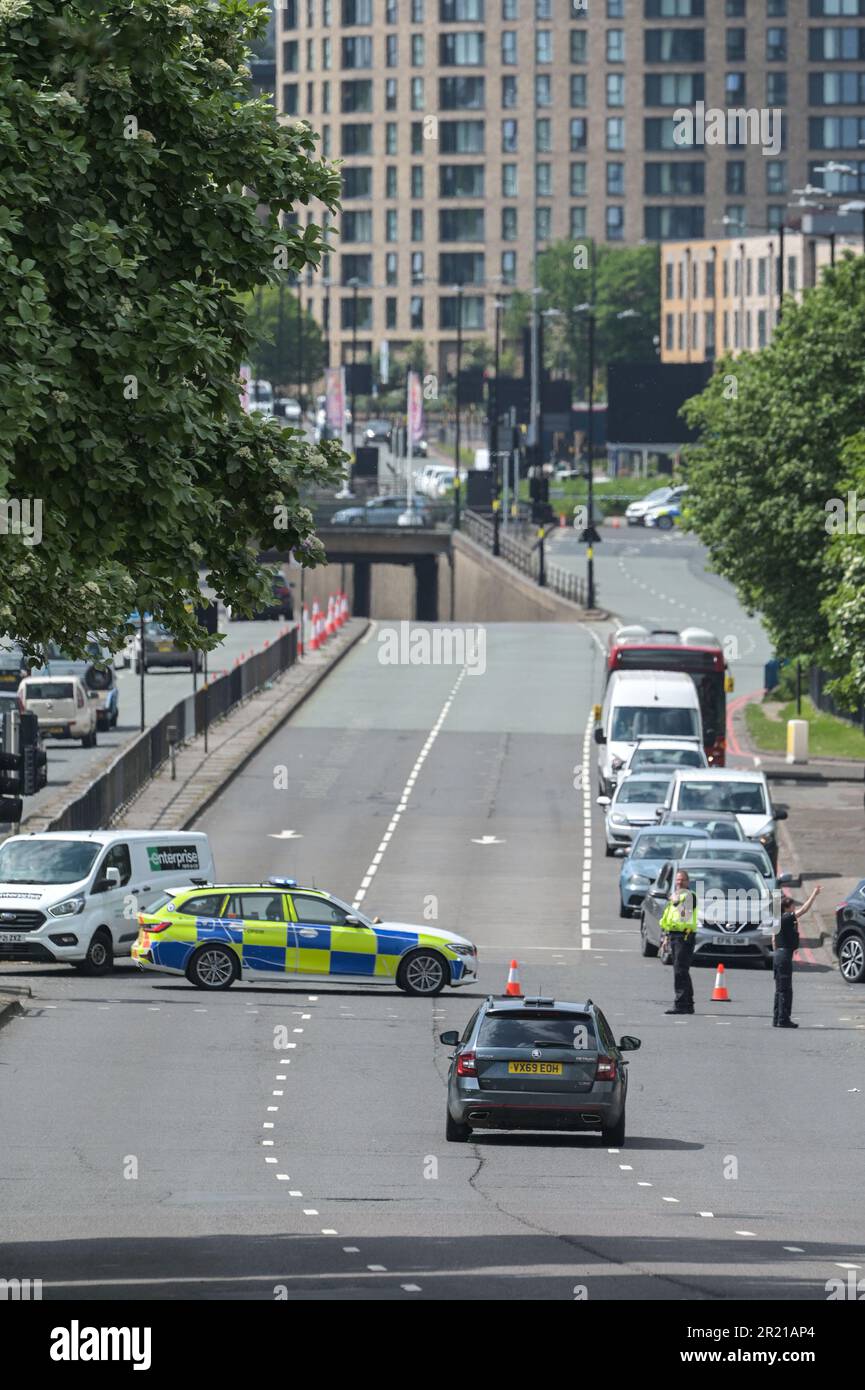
{"x": 643, "y": 704}
{"x": 75, "y": 895}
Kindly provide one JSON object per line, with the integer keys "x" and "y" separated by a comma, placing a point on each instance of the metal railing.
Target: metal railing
{"x": 526, "y": 556}
{"x": 138, "y": 762}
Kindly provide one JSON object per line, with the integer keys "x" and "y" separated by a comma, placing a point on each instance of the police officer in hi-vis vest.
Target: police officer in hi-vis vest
{"x": 679, "y": 926}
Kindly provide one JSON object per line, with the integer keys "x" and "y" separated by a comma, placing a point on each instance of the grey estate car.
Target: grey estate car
{"x": 537, "y": 1063}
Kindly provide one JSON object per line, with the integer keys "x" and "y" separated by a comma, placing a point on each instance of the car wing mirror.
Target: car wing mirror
{"x": 779, "y": 812}
{"x": 629, "y": 1044}
{"x": 604, "y": 800}
{"x": 599, "y": 735}
{"x": 353, "y": 922}
{"x": 450, "y": 1039}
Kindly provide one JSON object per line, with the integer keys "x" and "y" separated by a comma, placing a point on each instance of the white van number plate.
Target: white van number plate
{"x": 11, "y": 936}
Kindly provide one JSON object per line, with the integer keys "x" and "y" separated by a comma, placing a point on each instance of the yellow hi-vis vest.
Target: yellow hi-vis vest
{"x": 676, "y": 916}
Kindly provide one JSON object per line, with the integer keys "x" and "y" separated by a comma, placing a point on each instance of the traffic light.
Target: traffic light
{"x": 34, "y": 773}
{"x": 11, "y": 810}
{"x": 23, "y": 763}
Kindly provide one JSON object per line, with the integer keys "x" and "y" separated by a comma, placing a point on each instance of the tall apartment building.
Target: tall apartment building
{"x": 475, "y": 132}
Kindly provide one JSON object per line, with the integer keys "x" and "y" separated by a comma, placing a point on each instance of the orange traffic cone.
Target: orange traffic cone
{"x": 513, "y": 986}
{"x": 344, "y": 609}
{"x": 719, "y": 993}
{"x": 304, "y": 631}
{"x": 315, "y": 640}
{"x": 330, "y": 626}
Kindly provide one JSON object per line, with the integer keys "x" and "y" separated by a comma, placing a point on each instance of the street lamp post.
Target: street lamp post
{"x": 300, "y": 341}
{"x": 354, "y": 287}
{"x": 457, "y": 405}
{"x": 590, "y": 535}
{"x": 494, "y": 403}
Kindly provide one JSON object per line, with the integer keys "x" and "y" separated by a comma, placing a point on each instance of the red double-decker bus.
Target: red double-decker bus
{"x": 694, "y": 651}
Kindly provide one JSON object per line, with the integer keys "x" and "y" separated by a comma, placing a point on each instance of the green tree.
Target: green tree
{"x": 617, "y": 280}
{"x": 140, "y": 196}
{"x": 275, "y": 355}
{"x": 773, "y": 452}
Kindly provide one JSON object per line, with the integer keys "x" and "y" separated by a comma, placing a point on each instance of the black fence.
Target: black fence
{"x": 518, "y": 549}
{"x": 137, "y": 763}
{"x": 818, "y": 679}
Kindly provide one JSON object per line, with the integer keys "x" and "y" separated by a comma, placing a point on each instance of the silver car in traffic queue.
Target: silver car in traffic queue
{"x": 737, "y": 914}
{"x": 537, "y": 1063}
{"x": 636, "y": 803}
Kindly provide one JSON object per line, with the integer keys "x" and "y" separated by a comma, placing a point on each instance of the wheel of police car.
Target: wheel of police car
{"x": 422, "y": 972}
{"x": 851, "y": 960}
{"x": 212, "y": 967}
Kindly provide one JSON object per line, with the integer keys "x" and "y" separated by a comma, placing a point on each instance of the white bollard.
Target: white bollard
{"x": 797, "y": 740}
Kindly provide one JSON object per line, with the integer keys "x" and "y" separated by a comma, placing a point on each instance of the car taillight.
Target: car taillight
{"x": 153, "y": 926}
{"x": 606, "y": 1069}
{"x": 467, "y": 1064}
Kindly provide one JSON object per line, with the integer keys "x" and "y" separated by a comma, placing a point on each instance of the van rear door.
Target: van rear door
{"x": 55, "y": 701}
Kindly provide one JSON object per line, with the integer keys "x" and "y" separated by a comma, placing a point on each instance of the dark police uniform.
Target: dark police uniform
{"x": 786, "y": 942}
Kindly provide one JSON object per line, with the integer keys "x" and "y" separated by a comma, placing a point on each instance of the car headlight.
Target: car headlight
{"x": 618, "y": 819}
{"x": 68, "y": 908}
{"x": 464, "y": 949}
{"x": 637, "y": 880}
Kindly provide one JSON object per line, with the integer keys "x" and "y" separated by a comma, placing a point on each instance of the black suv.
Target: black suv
{"x": 537, "y": 1063}
{"x": 848, "y": 939}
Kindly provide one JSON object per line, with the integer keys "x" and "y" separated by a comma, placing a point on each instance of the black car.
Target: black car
{"x": 377, "y": 432}
{"x": 848, "y": 939}
{"x": 537, "y": 1063}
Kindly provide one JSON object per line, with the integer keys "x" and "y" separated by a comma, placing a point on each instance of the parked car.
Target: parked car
{"x": 736, "y": 917}
{"x": 651, "y": 848}
{"x": 161, "y": 648}
{"x": 635, "y": 803}
{"x": 664, "y": 515}
{"x": 62, "y": 705}
{"x": 635, "y": 512}
{"x": 377, "y": 432}
{"x": 384, "y": 511}
{"x": 848, "y": 938}
{"x": 537, "y": 1063}
{"x": 288, "y": 409}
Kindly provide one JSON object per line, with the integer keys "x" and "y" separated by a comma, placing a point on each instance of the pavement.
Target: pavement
{"x": 278, "y": 1141}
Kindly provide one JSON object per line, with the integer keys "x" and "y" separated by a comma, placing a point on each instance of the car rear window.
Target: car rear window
{"x": 48, "y": 690}
{"x": 679, "y": 757}
{"x": 651, "y": 790}
{"x": 537, "y": 1030}
{"x": 659, "y": 847}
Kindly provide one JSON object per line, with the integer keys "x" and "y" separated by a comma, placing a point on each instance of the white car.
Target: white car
{"x": 650, "y": 753}
{"x": 635, "y": 804}
{"x": 63, "y": 707}
{"x": 288, "y": 409}
{"x": 635, "y": 512}
{"x": 744, "y": 794}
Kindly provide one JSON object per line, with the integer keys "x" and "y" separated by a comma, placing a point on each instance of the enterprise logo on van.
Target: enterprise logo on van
{"x": 161, "y": 857}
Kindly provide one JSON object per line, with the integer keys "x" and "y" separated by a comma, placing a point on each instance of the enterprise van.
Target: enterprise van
{"x": 643, "y": 704}
{"x": 75, "y": 895}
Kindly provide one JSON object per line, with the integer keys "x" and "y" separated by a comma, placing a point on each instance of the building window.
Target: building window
{"x": 391, "y": 12}
{"x": 509, "y": 137}
{"x": 472, "y": 315}
{"x": 510, "y": 183}
{"x": 543, "y": 89}
{"x": 735, "y": 180}
{"x": 417, "y": 267}
{"x": 325, "y": 98}
{"x": 615, "y": 45}
{"x": 390, "y": 312}
{"x": 356, "y": 139}
{"x": 461, "y": 11}
{"x": 509, "y": 47}
{"x": 357, "y": 181}
{"x": 356, "y": 96}
{"x": 509, "y": 92}
{"x": 461, "y": 93}
{"x": 461, "y": 180}
{"x": 578, "y": 180}
{"x": 579, "y": 45}
{"x": 776, "y": 45}
{"x": 290, "y": 58}
{"x": 390, "y": 137}
{"x": 578, "y": 89}
{"x": 357, "y": 52}
{"x": 615, "y": 222}
{"x": 391, "y": 50}
{"x": 325, "y": 140}
{"x": 418, "y": 50}
{"x": 510, "y": 9}
{"x": 364, "y": 313}
{"x": 417, "y": 137}
{"x": 615, "y": 89}
{"x": 674, "y": 45}
{"x": 544, "y": 46}
{"x": 776, "y": 88}
{"x": 289, "y": 98}
{"x": 461, "y": 224}
{"x": 354, "y": 12}
{"x": 615, "y": 133}
{"x": 356, "y": 226}
{"x": 736, "y": 45}
{"x": 578, "y": 222}
{"x": 462, "y": 268}
{"x": 417, "y": 224}
{"x": 416, "y": 94}
{"x": 417, "y": 180}
{"x": 544, "y": 180}
{"x": 390, "y": 94}
{"x": 416, "y": 311}
{"x": 579, "y": 133}
{"x": 390, "y": 224}
{"x": 390, "y": 267}
{"x": 417, "y": 11}
{"x": 326, "y": 54}
{"x": 357, "y": 268}
{"x": 461, "y": 50}
{"x": 776, "y": 176}
{"x": 509, "y": 267}
{"x": 615, "y": 179}
{"x": 543, "y": 135}
{"x": 461, "y": 137}
{"x": 509, "y": 224}
{"x": 734, "y": 88}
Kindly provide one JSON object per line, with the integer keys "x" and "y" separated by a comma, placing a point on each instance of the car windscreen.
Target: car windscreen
{"x": 659, "y": 847}
{"x": 651, "y": 789}
{"x": 536, "y": 1030}
{"x": 761, "y": 862}
{"x": 659, "y": 495}
{"x": 711, "y": 880}
{"x": 742, "y": 798}
{"x": 49, "y": 690}
{"x": 46, "y": 861}
{"x": 671, "y": 757}
{"x": 631, "y": 722}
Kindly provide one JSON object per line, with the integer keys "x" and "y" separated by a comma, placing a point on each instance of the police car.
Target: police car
{"x": 278, "y": 930}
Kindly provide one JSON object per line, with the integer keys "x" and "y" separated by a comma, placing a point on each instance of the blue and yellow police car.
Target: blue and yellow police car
{"x": 217, "y": 934}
